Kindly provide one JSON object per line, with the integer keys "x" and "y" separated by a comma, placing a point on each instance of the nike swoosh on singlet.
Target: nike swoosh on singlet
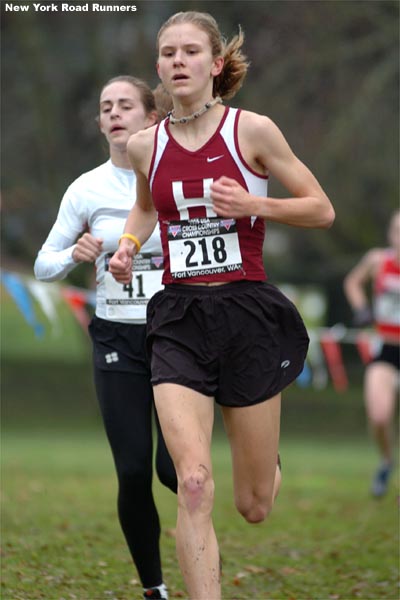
{"x": 214, "y": 158}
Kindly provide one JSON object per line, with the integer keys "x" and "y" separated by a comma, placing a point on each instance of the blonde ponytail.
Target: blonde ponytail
{"x": 231, "y": 78}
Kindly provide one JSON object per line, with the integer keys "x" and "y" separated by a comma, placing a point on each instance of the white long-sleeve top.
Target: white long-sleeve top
{"x": 99, "y": 201}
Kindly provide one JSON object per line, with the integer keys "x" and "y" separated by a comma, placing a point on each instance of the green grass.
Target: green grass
{"x": 63, "y": 339}
{"x": 325, "y": 540}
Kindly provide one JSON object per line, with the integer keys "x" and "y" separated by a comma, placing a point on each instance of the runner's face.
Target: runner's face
{"x": 185, "y": 62}
{"x": 121, "y": 113}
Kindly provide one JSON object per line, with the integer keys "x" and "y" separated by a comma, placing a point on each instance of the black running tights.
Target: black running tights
{"x": 126, "y": 403}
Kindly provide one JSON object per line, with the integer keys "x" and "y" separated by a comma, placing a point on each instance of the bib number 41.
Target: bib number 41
{"x": 135, "y": 290}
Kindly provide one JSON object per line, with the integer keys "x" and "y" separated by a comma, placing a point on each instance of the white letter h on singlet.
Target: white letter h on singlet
{"x": 183, "y": 204}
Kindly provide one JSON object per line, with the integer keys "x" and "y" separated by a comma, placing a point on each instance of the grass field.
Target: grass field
{"x": 325, "y": 540}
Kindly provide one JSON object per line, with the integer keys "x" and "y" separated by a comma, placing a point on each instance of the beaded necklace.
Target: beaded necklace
{"x": 173, "y": 120}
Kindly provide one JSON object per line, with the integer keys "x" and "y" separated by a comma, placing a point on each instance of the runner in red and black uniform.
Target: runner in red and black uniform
{"x": 218, "y": 331}
{"x": 381, "y": 266}
{"x": 224, "y": 247}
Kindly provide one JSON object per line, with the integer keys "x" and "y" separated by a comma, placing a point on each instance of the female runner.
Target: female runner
{"x": 218, "y": 331}
{"x": 89, "y": 223}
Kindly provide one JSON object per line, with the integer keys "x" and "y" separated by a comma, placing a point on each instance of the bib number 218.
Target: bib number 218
{"x": 216, "y": 249}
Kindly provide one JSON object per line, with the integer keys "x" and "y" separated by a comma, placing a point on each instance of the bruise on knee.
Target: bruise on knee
{"x": 193, "y": 487}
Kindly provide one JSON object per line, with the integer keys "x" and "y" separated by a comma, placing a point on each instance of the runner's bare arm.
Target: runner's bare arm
{"x": 357, "y": 279}
{"x": 142, "y": 217}
{"x": 265, "y": 149}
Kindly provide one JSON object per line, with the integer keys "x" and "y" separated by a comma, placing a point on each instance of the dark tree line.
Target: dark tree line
{"x": 326, "y": 71}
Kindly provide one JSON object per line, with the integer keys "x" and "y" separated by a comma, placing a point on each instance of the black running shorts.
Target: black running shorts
{"x": 390, "y": 354}
{"x": 241, "y": 342}
{"x": 119, "y": 346}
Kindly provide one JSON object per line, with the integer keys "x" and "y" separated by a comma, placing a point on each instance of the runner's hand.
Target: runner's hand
{"x": 230, "y": 199}
{"x": 87, "y": 248}
{"x": 363, "y": 317}
{"x": 120, "y": 265}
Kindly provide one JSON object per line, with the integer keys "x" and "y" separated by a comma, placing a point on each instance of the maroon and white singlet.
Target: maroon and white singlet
{"x": 198, "y": 245}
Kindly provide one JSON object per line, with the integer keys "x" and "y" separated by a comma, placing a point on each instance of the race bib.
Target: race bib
{"x": 129, "y": 301}
{"x": 204, "y": 246}
{"x": 387, "y": 308}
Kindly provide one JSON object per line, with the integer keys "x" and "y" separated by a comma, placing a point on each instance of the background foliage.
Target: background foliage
{"x": 325, "y": 71}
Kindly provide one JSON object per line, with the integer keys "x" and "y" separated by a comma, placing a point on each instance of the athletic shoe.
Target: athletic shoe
{"x": 153, "y": 594}
{"x": 380, "y": 481}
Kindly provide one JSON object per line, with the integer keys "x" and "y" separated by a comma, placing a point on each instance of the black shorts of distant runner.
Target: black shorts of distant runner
{"x": 390, "y": 354}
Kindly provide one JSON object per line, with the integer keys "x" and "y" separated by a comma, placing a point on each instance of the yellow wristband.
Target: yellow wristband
{"x": 133, "y": 239}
